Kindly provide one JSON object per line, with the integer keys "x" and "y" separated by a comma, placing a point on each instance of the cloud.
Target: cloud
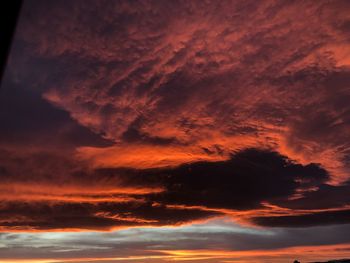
{"x": 324, "y": 197}
{"x": 214, "y": 239}
{"x": 121, "y": 197}
{"x": 246, "y": 180}
{"x": 207, "y": 75}
{"x": 165, "y": 113}
{"x": 75, "y": 216}
{"x": 318, "y": 218}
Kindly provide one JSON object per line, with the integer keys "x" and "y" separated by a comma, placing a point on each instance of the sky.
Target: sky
{"x": 176, "y": 131}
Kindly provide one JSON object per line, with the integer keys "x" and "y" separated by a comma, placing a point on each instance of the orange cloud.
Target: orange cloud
{"x": 315, "y": 253}
{"x": 140, "y": 108}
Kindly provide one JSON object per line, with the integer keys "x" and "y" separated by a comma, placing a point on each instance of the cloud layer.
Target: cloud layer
{"x": 124, "y": 114}
{"x": 197, "y": 77}
{"x": 215, "y": 241}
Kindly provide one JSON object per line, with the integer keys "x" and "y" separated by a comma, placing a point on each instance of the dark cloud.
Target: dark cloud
{"x": 324, "y": 197}
{"x": 88, "y": 216}
{"x": 248, "y": 178}
{"x": 313, "y": 219}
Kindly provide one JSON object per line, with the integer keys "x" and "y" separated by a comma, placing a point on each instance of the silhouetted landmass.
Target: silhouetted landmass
{"x": 330, "y": 261}
{"x": 335, "y": 261}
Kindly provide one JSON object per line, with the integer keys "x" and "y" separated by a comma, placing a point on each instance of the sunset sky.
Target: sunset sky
{"x": 176, "y": 131}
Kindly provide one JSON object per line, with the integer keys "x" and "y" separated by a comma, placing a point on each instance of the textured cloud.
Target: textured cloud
{"x": 118, "y": 114}
{"x": 244, "y": 187}
{"x": 212, "y": 76}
